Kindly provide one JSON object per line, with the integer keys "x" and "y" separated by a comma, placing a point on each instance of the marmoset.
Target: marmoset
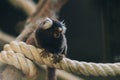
{"x": 50, "y": 35}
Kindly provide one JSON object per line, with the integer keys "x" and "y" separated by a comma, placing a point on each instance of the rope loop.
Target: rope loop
{"x": 21, "y": 55}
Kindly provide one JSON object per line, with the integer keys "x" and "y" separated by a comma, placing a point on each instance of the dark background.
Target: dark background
{"x": 93, "y": 28}
{"x": 85, "y": 37}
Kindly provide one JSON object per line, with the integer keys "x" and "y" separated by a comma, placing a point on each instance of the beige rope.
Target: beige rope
{"x": 20, "y": 62}
{"x": 80, "y": 68}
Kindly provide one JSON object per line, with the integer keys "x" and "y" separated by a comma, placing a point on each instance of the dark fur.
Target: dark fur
{"x": 47, "y": 41}
{"x": 51, "y": 44}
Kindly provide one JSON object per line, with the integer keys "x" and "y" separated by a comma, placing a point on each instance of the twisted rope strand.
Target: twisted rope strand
{"x": 12, "y": 53}
{"x": 19, "y": 61}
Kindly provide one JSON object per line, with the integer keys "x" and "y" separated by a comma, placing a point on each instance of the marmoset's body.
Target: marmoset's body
{"x": 50, "y": 35}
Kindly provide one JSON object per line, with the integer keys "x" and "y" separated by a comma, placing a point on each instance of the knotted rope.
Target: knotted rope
{"x": 19, "y": 54}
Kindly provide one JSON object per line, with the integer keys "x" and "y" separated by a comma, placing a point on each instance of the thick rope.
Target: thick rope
{"x": 20, "y": 62}
{"x": 12, "y": 56}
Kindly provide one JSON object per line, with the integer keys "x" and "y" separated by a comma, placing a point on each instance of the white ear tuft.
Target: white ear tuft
{"x": 48, "y": 23}
{"x": 63, "y": 26}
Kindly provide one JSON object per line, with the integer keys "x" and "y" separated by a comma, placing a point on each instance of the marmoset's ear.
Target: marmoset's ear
{"x": 63, "y": 26}
{"x": 47, "y": 23}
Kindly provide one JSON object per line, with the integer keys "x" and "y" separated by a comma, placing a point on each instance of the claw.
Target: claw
{"x": 57, "y": 58}
{"x": 44, "y": 54}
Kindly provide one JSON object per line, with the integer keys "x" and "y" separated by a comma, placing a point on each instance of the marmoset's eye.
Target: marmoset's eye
{"x": 56, "y": 34}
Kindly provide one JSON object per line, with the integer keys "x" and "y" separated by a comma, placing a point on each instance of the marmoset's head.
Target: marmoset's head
{"x": 51, "y": 34}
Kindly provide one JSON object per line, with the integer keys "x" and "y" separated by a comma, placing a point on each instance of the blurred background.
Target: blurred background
{"x": 93, "y": 26}
{"x": 93, "y": 29}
